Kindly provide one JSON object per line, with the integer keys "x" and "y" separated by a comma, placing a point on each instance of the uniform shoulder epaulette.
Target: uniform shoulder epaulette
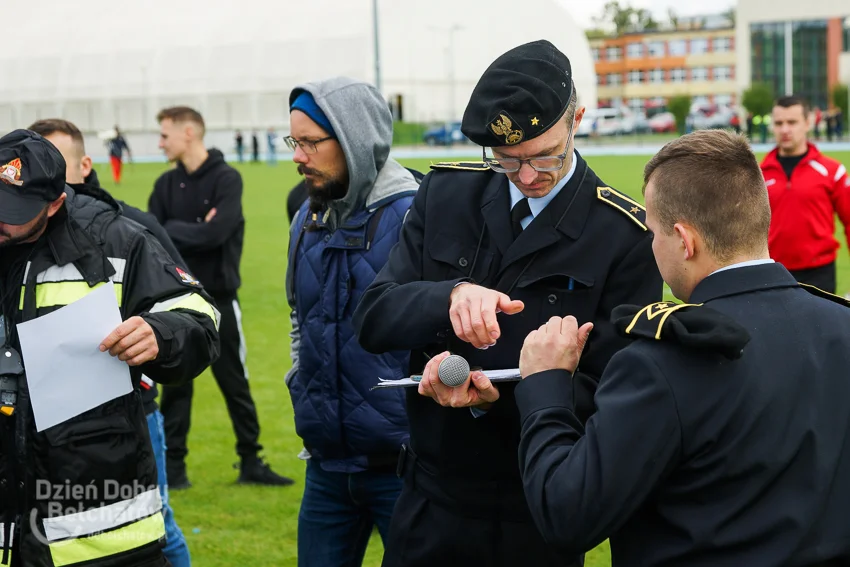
{"x": 694, "y": 326}
{"x": 461, "y": 165}
{"x": 624, "y": 204}
{"x": 826, "y": 295}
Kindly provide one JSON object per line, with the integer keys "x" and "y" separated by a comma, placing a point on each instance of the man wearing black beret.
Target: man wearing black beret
{"x": 489, "y": 252}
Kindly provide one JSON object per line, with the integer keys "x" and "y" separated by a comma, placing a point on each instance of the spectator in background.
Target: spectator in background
{"x": 240, "y": 145}
{"x": 255, "y": 147}
{"x": 199, "y": 203}
{"x": 82, "y": 178}
{"x": 271, "y": 141}
{"x": 116, "y": 146}
{"x": 806, "y": 190}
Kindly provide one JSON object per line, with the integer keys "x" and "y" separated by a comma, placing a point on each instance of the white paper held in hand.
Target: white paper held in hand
{"x": 66, "y": 372}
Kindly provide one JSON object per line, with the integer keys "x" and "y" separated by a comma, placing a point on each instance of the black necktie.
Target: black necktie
{"x": 519, "y": 212}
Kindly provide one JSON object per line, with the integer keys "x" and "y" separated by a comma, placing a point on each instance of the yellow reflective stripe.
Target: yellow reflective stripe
{"x": 3, "y": 541}
{"x": 50, "y": 294}
{"x": 105, "y": 544}
{"x": 191, "y": 301}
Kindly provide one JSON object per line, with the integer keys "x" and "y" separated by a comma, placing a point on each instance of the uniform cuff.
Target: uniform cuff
{"x": 547, "y": 389}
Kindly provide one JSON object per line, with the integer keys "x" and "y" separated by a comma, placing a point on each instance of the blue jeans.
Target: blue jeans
{"x": 337, "y": 514}
{"x": 176, "y": 550}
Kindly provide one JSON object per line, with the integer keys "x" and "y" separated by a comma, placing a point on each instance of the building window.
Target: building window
{"x": 635, "y": 77}
{"x": 636, "y": 103}
{"x": 656, "y": 49}
{"x": 595, "y": 52}
{"x": 699, "y": 46}
{"x": 678, "y": 47}
{"x": 723, "y": 73}
{"x": 614, "y": 79}
{"x": 699, "y": 74}
{"x": 613, "y": 53}
{"x": 600, "y": 80}
{"x": 634, "y": 51}
{"x": 721, "y": 44}
{"x": 723, "y": 99}
{"x": 656, "y": 76}
{"x": 678, "y": 76}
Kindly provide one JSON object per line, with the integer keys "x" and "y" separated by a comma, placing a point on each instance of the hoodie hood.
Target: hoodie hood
{"x": 214, "y": 159}
{"x": 363, "y": 125}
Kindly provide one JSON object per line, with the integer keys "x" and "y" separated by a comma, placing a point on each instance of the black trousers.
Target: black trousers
{"x": 231, "y": 374}
{"x": 822, "y": 277}
{"x": 436, "y": 522}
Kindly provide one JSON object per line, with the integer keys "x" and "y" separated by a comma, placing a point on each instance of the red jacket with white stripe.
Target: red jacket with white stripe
{"x": 802, "y": 225}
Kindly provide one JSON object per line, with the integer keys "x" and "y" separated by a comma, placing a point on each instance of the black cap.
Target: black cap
{"x": 521, "y": 95}
{"x": 32, "y": 175}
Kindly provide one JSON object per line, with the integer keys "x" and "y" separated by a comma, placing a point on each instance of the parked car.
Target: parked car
{"x": 442, "y": 136}
{"x": 705, "y": 116}
{"x": 608, "y": 122}
{"x": 664, "y": 122}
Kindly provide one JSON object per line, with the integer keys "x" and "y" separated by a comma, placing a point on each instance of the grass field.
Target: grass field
{"x": 226, "y": 524}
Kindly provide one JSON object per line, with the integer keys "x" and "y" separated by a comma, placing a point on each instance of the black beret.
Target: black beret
{"x": 32, "y": 174}
{"x": 522, "y": 94}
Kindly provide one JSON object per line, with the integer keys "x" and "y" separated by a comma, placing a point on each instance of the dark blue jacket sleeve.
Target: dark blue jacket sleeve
{"x": 582, "y": 484}
{"x": 382, "y": 319}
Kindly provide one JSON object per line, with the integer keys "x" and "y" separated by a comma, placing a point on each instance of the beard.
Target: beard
{"x": 322, "y": 189}
{"x": 36, "y": 230}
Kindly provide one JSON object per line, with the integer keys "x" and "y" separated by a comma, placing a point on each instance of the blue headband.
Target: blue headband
{"x": 307, "y": 104}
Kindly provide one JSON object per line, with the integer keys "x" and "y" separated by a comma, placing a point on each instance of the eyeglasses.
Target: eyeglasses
{"x": 511, "y": 165}
{"x": 307, "y": 146}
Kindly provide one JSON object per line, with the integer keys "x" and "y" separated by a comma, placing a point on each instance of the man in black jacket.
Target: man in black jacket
{"x": 82, "y": 178}
{"x": 722, "y": 433}
{"x": 62, "y": 246}
{"x": 199, "y": 203}
{"x": 488, "y": 252}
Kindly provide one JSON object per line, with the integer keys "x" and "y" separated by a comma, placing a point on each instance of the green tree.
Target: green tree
{"x": 680, "y": 107}
{"x": 643, "y": 20}
{"x": 620, "y": 16}
{"x": 839, "y": 99}
{"x": 673, "y": 18}
{"x": 731, "y": 15}
{"x": 758, "y": 99}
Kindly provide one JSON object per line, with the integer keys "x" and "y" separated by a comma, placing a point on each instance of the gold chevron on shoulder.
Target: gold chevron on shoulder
{"x": 461, "y": 165}
{"x": 623, "y": 203}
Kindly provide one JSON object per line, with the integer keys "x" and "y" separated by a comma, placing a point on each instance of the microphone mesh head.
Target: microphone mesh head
{"x": 453, "y": 371}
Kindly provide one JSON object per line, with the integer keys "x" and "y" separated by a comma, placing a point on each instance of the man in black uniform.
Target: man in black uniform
{"x": 722, "y": 434}
{"x": 465, "y": 278}
{"x": 199, "y": 203}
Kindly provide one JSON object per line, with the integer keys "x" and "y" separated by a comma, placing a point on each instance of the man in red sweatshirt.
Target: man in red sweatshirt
{"x": 806, "y": 190}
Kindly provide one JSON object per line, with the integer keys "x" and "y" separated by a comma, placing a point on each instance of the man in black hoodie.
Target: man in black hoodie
{"x": 82, "y": 178}
{"x": 199, "y": 203}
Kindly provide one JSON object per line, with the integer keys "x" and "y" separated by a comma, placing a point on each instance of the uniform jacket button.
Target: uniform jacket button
{"x": 552, "y": 298}
{"x": 198, "y": 219}
{"x": 463, "y": 262}
{"x": 606, "y": 193}
{"x": 182, "y": 185}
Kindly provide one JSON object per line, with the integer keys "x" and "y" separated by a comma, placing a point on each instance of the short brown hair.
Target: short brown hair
{"x": 711, "y": 180}
{"x": 49, "y": 126}
{"x": 182, "y": 114}
{"x": 793, "y": 100}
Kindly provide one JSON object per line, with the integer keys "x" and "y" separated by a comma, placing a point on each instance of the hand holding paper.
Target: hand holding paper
{"x": 133, "y": 341}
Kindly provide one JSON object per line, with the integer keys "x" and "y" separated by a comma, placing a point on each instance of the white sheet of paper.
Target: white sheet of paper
{"x": 507, "y": 375}
{"x": 66, "y": 372}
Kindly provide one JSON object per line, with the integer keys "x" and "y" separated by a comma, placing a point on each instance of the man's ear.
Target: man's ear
{"x": 54, "y": 207}
{"x": 689, "y": 239}
{"x": 85, "y": 166}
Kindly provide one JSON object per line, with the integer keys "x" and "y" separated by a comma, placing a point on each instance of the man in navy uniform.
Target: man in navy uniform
{"x": 488, "y": 252}
{"x": 722, "y": 434}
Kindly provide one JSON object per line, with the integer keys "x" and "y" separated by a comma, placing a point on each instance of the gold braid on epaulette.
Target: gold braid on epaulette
{"x": 662, "y": 309}
{"x": 624, "y": 204}
{"x": 461, "y": 165}
{"x": 825, "y": 294}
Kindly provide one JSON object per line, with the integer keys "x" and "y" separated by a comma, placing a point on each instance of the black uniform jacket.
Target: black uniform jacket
{"x": 696, "y": 458}
{"x": 585, "y": 253}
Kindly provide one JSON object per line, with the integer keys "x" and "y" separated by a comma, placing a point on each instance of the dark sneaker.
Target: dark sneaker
{"x": 176, "y": 475}
{"x": 255, "y": 471}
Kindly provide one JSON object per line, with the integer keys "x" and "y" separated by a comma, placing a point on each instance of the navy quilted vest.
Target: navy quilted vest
{"x": 343, "y": 424}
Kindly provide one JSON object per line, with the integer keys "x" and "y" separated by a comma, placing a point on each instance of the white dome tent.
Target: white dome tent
{"x": 100, "y": 63}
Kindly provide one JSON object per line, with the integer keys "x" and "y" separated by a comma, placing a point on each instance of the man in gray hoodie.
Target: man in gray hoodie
{"x": 341, "y": 133}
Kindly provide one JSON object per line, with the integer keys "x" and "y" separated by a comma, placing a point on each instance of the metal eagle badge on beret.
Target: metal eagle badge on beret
{"x": 689, "y": 325}
{"x": 503, "y": 126}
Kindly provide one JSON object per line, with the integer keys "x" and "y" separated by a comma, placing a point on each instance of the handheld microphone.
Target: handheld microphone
{"x": 453, "y": 371}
